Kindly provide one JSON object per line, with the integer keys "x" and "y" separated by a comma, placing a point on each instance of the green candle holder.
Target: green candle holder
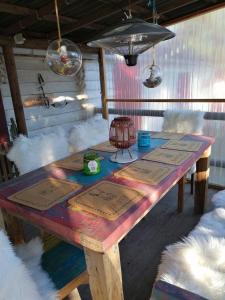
{"x": 92, "y": 164}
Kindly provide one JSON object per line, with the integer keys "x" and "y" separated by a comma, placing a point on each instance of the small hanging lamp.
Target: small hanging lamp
{"x": 131, "y": 37}
{"x": 154, "y": 78}
{"x": 63, "y": 56}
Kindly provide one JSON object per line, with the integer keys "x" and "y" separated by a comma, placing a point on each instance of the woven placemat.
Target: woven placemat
{"x": 146, "y": 172}
{"x": 183, "y": 145}
{"x": 72, "y": 162}
{"x": 106, "y": 147}
{"x": 106, "y": 199}
{"x": 167, "y": 156}
{"x": 168, "y": 135}
{"x": 46, "y": 193}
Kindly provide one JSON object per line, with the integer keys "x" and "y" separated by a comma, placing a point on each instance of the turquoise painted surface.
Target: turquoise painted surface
{"x": 108, "y": 167}
{"x": 63, "y": 263}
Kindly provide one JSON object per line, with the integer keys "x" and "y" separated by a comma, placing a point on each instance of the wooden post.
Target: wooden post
{"x": 201, "y": 182}
{"x": 104, "y": 272}
{"x": 2, "y": 223}
{"x": 4, "y": 140}
{"x": 14, "y": 228}
{"x": 103, "y": 83}
{"x": 4, "y": 134}
{"x": 14, "y": 88}
{"x": 181, "y": 186}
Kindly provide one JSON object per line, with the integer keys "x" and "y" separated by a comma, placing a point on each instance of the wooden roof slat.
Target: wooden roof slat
{"x": 39, "y": 44}
{"x": 211, "y": 8}
{"x": 102, "y": 13}
{"x": 30, "y": 20}
{"x": 69, "y": 20}
{"x": 140, "y": 9}
{"x": 171, "y": 5}
{"x": 16, "y": 10}
{"x": 33, "y": 16}
{"x": 81, "y": 24}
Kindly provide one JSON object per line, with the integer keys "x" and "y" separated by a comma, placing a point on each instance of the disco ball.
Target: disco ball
{"x": 64, "y": 58}
{"x": 154, "y": 78}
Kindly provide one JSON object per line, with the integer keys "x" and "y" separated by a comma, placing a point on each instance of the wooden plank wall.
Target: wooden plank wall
{"x": 41, "y": 119}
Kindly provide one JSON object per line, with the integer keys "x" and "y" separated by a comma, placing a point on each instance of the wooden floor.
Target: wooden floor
{"x": 141, "y": 249}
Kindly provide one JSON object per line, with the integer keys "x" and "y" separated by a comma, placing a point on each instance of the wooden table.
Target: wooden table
{"x": 98, "y": 236}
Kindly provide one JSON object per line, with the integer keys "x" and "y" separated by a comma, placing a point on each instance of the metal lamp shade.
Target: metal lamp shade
{"x": 122, "y": 133}
{"x": 131, "y": 38}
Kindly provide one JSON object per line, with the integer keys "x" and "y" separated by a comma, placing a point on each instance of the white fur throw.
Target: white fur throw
{"x": 30, "y": 254}
{"x": 32, "y": 153}
{"x": 197, "y": 263}
{"x": 218, "y": 199}
{"x": 88, "y": 133}
{"x": 16, "y": 280}
{"x": 183, "y": 121}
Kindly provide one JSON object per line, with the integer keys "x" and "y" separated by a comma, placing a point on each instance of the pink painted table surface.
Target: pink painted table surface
{"x": 86, "y": 229}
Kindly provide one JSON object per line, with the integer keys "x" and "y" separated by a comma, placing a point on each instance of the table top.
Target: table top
{"x": 86, "y": 229}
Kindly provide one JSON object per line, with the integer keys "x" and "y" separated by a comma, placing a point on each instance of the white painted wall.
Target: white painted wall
{"x": 41, "y": 119}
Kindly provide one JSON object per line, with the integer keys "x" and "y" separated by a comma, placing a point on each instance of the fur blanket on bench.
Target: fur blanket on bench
{"x": 197, "y": 263}
{"x": 22, "y": 277}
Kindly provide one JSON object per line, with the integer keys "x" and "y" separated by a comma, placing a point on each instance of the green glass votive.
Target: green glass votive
{"x": 92, "y": 163}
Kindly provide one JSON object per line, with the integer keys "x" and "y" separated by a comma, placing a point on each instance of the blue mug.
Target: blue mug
{"x": 144, "y": 138}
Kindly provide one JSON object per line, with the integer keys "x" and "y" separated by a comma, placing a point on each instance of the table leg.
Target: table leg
{"x": 181, "y": 185}
{"x": 105, "y": 276}
{"x": 14, "y": 228}
{"x": 2, "y": 224}
{"x": 201, "y": 182}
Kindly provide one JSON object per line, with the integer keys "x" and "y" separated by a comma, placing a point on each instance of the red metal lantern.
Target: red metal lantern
{"x": 122, "y": 135}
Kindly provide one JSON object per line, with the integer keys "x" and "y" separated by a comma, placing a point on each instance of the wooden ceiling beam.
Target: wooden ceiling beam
{"x": 30, "y": 20}
{"x": 69, "y": 20}
{"x": 213, "y": 7}
{"x": 29, "y": 43}
{"x": 16, "y": 10}
{"x": 35, "y": 15}
{"x": 102, "y": 13}
{"x": 140, "y": 9}
{"x": 41, "y": 44}
{"x": 172, "y": 5}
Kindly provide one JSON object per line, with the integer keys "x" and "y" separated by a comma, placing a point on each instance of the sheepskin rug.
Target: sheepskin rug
{"x": 197, "y": 263}
{"x": 88, "y": 133}
{"x": 21, "y": 277}
{"x": 183, "y": 121}
{"x": 32, "y": 153}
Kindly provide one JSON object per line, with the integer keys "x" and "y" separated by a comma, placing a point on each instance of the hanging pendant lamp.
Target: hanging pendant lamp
{"x": 154, "y": 78}
{"x": 63, "y": 56}
{"x": 131, "y": 38}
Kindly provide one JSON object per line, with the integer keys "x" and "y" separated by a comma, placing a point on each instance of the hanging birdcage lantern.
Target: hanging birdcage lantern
{"x": 63, "y": 56}
{"x": 154, "y": 78}
{"x": 122, "y": 135}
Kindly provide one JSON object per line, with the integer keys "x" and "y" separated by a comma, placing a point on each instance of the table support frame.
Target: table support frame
{"x": 105, "y": 277}
{"x": 201, "y": 182}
